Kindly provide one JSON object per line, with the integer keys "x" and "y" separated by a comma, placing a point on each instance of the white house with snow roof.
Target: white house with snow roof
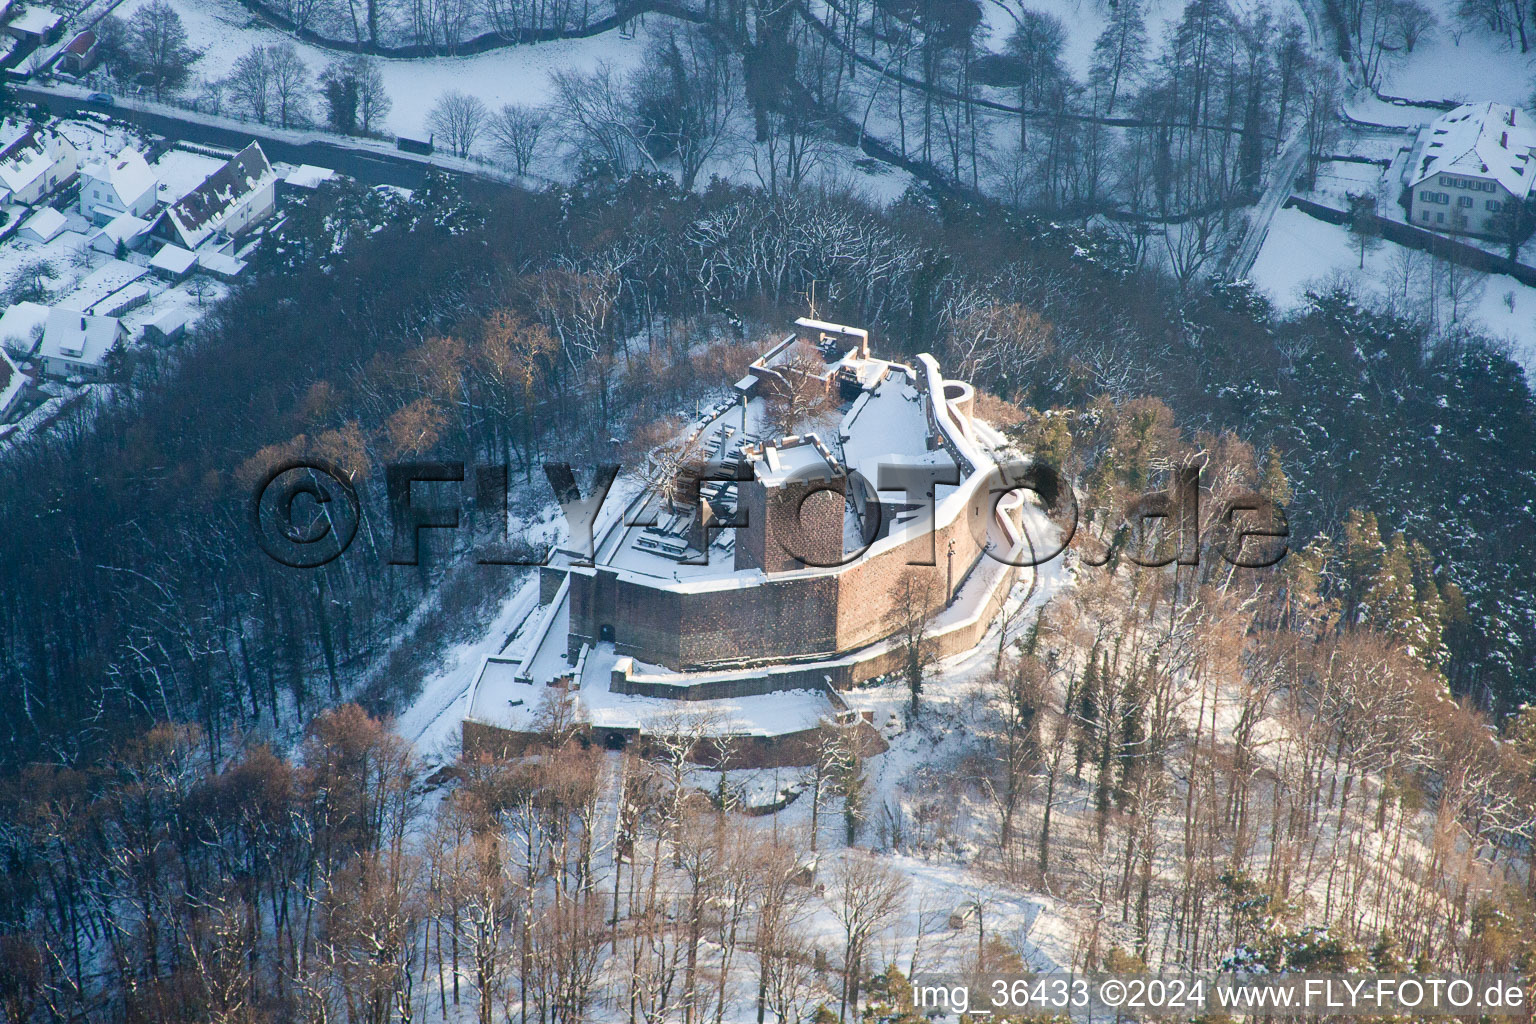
{"x": 77, "y": 344}
{"x": 34, "y": 164}
{"x": 121, "y": 184}
{"x": 1470, "y": 168}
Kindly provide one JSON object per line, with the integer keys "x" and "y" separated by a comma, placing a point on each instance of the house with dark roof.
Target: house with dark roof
{"x": 228, "y": 203}
{"x": 35, "y": 164}
{"x": 1470, "y": 169}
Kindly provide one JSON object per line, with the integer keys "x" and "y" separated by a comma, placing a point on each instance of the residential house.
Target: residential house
{"x": 43, "y": 226}
{"x": 36, "y": 22}
{"x": 123, "y": 233}
{"x": 112, "y": 187}
{"x": 173, "y": 263}
{"x": 77, "y": 344}
{"x": 170, "y": 325}
{"x": 12, "y": 383}
{"x": 36, "y": 164}
{"x": 232, "y": 200}
{"x": 1471, "y": 169}
{"x": 81, "y": 54}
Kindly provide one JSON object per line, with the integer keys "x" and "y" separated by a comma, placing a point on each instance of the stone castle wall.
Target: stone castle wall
{"x": 822, "y": 613}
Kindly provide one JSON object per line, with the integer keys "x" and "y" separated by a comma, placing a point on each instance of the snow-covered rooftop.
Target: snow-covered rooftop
{"x": 18, "y": 325}
{"x": 34, "y": 21}
{"x": 45, "y": 224}
{"x": 308, "y": 176}
{"x": 124, "y": 228}
{"x": 30, "y": 156}
{"x": 126, "y": 174}
{"x": 79, "y": 337}
{"x": 220, "y": 264}
{"x": 1480, "y": 140}
{"x": 173, "y": 259}
{"x": 103, "y": 281}
{"x": 204, "y": 210}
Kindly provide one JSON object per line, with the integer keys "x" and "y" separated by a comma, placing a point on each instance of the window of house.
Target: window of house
{"x": 1439, "y": 218}
{"x": 1445, "y": 179}
{"x": 1462, "y": 201}
{"x": 1493, "y": 205}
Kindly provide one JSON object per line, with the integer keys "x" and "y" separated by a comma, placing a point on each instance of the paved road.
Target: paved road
{"x": 366, "y": 165}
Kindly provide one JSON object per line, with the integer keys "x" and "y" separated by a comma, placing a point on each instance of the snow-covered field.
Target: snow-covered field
{"x": 1462, "y": 63}
{"x": 1302, "y": 252}
{"x": 225, "y": 31}
{"x": 1454, "y": 62}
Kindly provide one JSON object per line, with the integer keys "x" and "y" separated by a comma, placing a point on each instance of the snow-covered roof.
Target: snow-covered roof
{"x": 202, "y": 211}
{"x": 836, "y": 330}
{"x": 103, "y": 281}
{"x": 173, "y": 259}
{"x": 1480, "y": 140}
{"x": 29, "y": 157}
{"x": 220, "y": 264}
{"x": 79, "y": 337}
{"x": 18, "y": 323}
{"x": 308, "y": 176}
{"x": 34, "y": 21}
{"x": 171, "y": 320}
{"x": 123, "y": 228}
{"x": 126, "y": 174}
{"x": 796, "y": 458}
{"x": 888, "y": 419}
{"x": 45, "y": 223}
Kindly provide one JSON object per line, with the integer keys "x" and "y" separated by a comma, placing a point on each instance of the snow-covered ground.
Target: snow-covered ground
{"x": 1462, "y": 63}
{"x": 225, "y": 31}
{"x": 1302, "y": 252}
{"x": 1455, "y": 62}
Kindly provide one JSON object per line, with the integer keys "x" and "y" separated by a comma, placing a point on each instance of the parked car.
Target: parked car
{"x": 104, "y": 98}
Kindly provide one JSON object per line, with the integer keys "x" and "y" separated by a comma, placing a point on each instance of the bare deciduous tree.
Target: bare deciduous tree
{"x": 458, "y": 119}
{"x": 517, "y": 127}
{"x": 866, "y": 895}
